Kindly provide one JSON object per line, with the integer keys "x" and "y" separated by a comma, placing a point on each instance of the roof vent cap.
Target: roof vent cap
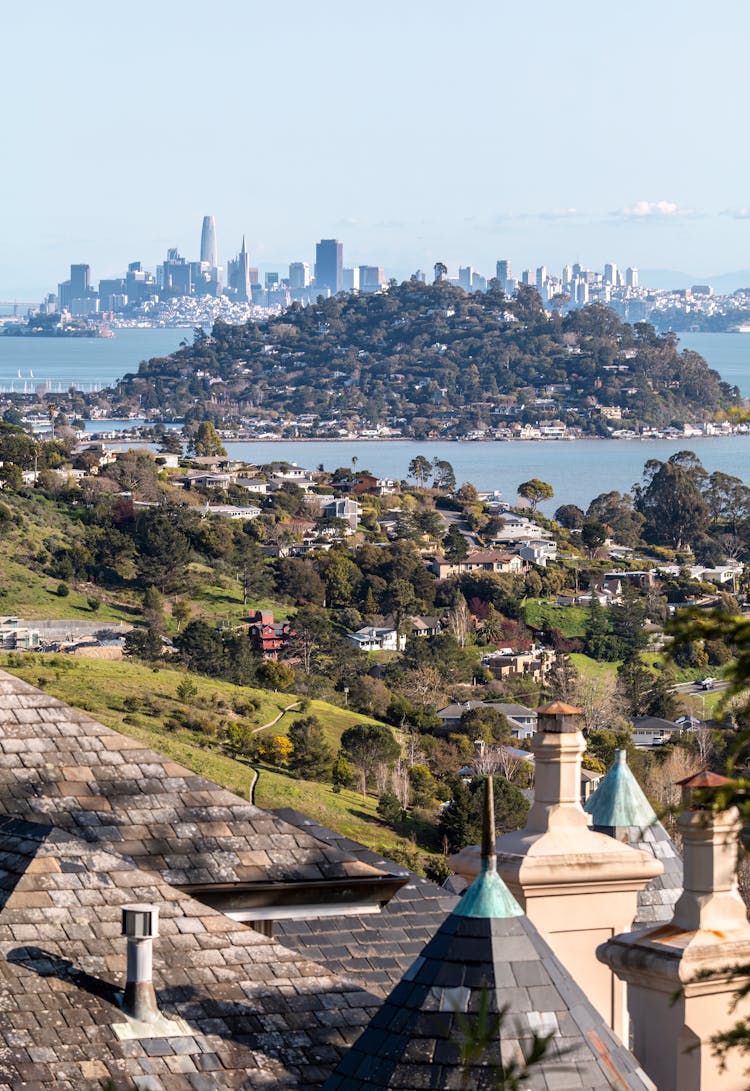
{"x": 140, "y": 921}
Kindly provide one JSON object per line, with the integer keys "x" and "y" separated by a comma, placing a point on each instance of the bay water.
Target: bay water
{"x": 577, "y": 470}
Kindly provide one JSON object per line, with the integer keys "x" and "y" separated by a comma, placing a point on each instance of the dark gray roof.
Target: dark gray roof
{"x": 374, "y": 949}
{"x": 487, "y": 969}
{"x": 60, "y": 766}
{"x": 415, "y": 1039}
{"x": 619, "y": 808}
{"x": 508, "y": 708}
{"x": 255, "y": 1013}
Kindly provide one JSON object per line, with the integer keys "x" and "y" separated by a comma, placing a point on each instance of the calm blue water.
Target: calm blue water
{"x": 80, "y": 361}
{"x": 727, "y": 353}
{"x": 578, "y": 470}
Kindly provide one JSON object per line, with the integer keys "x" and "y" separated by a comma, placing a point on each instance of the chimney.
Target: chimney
{"x": 558, "y": 746}
{"x": 140, "y": 923}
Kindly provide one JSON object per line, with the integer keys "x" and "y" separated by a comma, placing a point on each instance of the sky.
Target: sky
{"x": 412, "y": 130}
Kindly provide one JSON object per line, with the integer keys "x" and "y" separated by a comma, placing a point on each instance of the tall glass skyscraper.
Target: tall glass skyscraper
{"x": 209, "y": 253}
{"x": 329, "y": 265}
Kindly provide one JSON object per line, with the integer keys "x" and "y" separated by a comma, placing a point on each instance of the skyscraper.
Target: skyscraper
{"x": 80, "y": 281}
{"x": 631, "y": 277}
{"x": 239, "y": 275}
{"x": 503, "y": 271}
{"x": 209, "y": 253}
{"x": 610, "y": 274}
{"x": 329, "y": 265}
{"x": 299, "y": 275}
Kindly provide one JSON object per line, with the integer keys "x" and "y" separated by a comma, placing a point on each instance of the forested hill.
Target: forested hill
{"x": 429, "y": 357}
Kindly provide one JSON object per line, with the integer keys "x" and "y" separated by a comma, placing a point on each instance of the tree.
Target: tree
{"x": 311, "y": 757}
{"x": 368, "y": 746}
{"x": 311, "y": 634}
{"x": 670, "y": 499}
{"x": 457, "y": 826}
{"x": 598, "y": 642}
{"x": 206, "y": 441}
{"x": 390, "y": 810}
{"x": 455, "y": 545}
{"x": 460, "y": 622}
{"x": 143, "y": 644}
{"x": 443, "y": 476}
{"x": 420, "y": 468}
{"x": 342, "y": 774}
{"x": 535, "y": 490}
{"x": 570, "y": 516}
{"x": 593, "y": 536}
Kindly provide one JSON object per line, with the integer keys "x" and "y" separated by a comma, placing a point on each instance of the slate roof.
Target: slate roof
{"x": 256, "y": 1014}
{"x": 60, "y": 766}
{"x": 620, "y": 809}
{"x": 373, "y": 949}
{"x": 486, "y": 953}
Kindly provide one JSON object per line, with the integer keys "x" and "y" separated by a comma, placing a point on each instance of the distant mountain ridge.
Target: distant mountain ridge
{"x": 722, "y": 283}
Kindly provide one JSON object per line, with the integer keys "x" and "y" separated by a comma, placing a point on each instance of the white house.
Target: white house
{"x": 372, "y": 639}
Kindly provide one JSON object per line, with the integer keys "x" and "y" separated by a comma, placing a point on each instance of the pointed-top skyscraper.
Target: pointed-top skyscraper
{"x": 209, "y": 252}
{"x": 239, "y": 275}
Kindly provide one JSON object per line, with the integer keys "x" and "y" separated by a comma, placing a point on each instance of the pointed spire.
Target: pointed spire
{"x": 244, "y": 248}
{"x": 488, "y": 896}
{"x": 489, "y": 852}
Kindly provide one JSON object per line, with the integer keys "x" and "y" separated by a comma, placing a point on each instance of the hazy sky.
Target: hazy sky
{"x": 413, "y": 130}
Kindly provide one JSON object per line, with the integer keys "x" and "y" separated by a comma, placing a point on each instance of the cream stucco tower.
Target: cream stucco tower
{"x": 680, "y": 977}
{"x": 578, "y": 887}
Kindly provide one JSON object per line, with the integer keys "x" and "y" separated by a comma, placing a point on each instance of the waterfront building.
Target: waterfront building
{"x": 329, "y": 265}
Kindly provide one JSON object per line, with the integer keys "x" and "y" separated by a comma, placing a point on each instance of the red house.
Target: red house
{"x": 269, "y": 637}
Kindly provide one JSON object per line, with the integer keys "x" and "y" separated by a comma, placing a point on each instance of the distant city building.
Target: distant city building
{"x": 174, "y": 275}
{"x": 503, "y": 271}
{"x": 209, "y": 252}
{"x": 238, "y": 272}
{"x": 526, "y": 277}
{"x": 351, "y": 279}
{"x": 465, "y": 273}
{"x": 541, "y": 277}
{"x": 631, "y": 277}
{"x": 611, "y": 274}
{"x": 299, "y": 275}
{"x": 272, "y": 281}
{"x": 371, "y": 278}
{"x": 329, "y": 265}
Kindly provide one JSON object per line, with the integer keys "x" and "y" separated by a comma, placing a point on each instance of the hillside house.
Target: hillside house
{"x": 480, "y": 560}
{"x": 372, "y": 638}
{"x": 269, "y": 637}
{"x": 523, "y": 720}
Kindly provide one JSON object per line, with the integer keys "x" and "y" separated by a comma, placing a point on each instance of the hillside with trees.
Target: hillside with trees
{"x": 431, "y": 357}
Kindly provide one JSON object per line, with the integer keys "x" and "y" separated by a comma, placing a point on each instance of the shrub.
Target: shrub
{"x": 63, "y": 590}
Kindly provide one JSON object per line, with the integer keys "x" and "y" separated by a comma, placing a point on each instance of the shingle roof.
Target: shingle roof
{"x": 374, "y": 949}
{"x": 59, "y": 765}
{"x": 256, "y": 1014}
{"x": 620, "y": 808}
{"x": 487, "y": 954}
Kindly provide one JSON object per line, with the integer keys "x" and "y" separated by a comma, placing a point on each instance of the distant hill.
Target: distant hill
{"x": 431, "y": 359}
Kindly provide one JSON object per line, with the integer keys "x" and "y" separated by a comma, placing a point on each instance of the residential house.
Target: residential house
{"x": 523, "y": 720}
{"x": 538, "y": 552}
{"x": 372, "y": 638}
{"x": 480, "y": 560}
{"x": 652, "y": 731}
{"x": 269, "y": 637}
{"x": 343, "y": 508}
{"x": 233, "y": 511}
{"x": 534, "y": 664}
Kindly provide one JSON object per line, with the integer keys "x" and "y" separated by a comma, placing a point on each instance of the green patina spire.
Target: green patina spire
{"x": 488, "y": 896}
{"x": 619, "y": 799}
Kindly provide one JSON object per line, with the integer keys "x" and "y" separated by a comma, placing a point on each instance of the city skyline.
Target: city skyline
{"x": 580, "y": 134}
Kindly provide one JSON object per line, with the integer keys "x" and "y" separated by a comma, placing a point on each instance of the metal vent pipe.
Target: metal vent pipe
{"x": 140, "y": 924}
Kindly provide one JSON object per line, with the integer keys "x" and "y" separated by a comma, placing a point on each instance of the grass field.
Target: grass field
{"x": 102, "y": 688}
{"x": 570, "y": 620}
